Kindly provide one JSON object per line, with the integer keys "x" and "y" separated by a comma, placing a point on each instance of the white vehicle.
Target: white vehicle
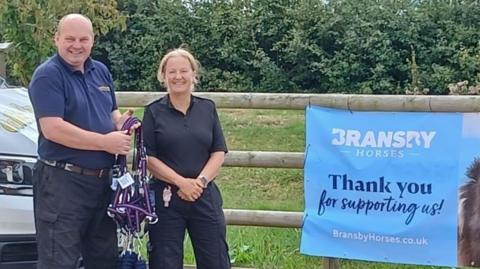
{"x": 18, "y": 151}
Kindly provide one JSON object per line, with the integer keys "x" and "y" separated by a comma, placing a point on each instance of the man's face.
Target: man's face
{"x": 74, "y": 41}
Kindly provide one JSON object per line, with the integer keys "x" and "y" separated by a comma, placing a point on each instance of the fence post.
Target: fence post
{"x": 330, "y": 263}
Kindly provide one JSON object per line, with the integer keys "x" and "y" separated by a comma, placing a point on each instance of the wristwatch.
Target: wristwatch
{"x": 204, "y": 180}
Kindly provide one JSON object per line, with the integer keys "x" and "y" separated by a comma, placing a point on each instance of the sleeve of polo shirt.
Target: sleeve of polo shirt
{"x": 112, "y": 92}
{"x": 218, "y": 141}
{"x": 47, "y": 96}
{"x": 148, "y": 125}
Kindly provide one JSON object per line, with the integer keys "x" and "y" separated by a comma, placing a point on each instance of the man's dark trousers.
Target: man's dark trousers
{"x": 71, "y": 220}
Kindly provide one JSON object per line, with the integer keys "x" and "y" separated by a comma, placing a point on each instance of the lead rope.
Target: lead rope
{"x": 132, "y": 203}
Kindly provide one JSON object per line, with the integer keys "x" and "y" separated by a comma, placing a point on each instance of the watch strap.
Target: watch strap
{"x": 204, "y": 180}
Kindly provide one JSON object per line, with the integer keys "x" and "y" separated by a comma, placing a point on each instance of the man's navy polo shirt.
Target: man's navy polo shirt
{"x": 85, "y": 100}
{"x": 183, "y": 142}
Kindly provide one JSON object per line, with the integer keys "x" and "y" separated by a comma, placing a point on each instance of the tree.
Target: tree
{"x": 30, "y": 26}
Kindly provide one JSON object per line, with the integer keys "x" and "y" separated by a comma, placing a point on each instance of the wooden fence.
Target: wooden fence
{"x": 295, "y": 159}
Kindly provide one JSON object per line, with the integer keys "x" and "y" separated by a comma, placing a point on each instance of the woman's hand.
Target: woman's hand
{"x": 190, "y": 189}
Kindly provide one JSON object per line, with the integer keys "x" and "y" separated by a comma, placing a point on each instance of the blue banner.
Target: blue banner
{"x": 384, "y": 186}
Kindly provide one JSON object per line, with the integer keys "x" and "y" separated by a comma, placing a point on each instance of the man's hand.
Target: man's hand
{"x": 121, "y": 120}
{"x": 117, "y": 142}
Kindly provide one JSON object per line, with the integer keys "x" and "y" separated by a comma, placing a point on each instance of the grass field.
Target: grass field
{"x": 268, "y": 189}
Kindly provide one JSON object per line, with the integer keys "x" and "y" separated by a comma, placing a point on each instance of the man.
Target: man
{"x": 78, "y": 121}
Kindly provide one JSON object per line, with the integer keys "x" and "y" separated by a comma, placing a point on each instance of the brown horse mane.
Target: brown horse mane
{"x": 469, "y": 217}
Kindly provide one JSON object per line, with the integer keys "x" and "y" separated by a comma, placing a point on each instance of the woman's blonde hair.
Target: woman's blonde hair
{"x": 181, "y": 52}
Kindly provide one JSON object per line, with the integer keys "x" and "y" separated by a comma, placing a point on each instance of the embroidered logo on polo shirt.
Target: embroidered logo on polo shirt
{"x": 104, "y": 88}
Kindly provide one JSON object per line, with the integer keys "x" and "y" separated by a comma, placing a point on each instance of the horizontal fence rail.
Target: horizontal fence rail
{"x": 264, "y": 218}
{"x": 265, "y": 159}
{"x": 260, "y": 159}
{"x": 427, "y": 103}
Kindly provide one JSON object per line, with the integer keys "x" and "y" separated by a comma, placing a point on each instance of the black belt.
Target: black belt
{"x": 76, "y": 169}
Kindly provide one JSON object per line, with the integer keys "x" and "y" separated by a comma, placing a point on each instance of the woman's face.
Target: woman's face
{"x": 179, "y": 75}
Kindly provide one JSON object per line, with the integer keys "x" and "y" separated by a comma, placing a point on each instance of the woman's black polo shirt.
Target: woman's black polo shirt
{"x": 183, "y": 142}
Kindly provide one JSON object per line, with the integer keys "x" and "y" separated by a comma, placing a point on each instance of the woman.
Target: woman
{"x": 185, "y": 148}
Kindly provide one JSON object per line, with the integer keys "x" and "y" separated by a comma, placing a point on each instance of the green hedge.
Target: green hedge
{"x": 351, "y": 46}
